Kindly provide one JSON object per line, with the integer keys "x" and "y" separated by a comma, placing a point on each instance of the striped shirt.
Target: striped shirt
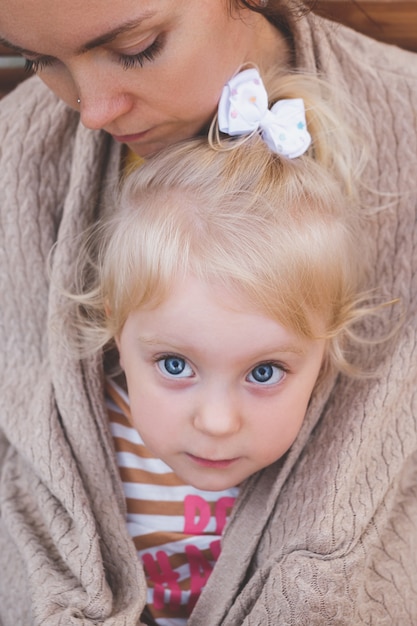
{"x": 175, "y": 527}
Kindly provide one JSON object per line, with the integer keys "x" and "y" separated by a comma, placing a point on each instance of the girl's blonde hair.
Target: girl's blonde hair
{"x": 285, "y": 234}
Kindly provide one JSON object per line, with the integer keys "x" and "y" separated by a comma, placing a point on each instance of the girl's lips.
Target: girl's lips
{"x": 220, "y": 464}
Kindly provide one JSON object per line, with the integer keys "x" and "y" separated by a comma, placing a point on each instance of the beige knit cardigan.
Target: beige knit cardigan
{"x": 326, "y": 536}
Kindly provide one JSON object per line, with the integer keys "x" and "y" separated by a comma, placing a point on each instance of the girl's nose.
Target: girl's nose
{"x": 218, "y": 416}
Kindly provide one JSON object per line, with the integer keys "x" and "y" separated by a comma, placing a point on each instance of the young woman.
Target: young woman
{"x": 342, "y": 505}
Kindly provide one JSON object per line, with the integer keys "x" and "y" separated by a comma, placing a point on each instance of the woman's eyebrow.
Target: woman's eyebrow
{"x": 15, "y": 48}
{"x": 101, "y": 40}
{"x": 115, "y": 32}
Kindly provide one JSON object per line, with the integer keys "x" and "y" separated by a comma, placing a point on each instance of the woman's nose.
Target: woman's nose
{"x": 218, "y": 415}
{"x": 99, "y": 108}
{"x": 102, "y": 97}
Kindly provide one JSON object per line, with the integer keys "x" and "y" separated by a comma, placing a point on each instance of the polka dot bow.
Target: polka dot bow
{"x": 243, "y": 109}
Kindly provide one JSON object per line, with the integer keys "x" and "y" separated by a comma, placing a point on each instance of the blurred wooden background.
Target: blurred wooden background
{"x": 393, "y": 21}
{"x": 11, "y": 71}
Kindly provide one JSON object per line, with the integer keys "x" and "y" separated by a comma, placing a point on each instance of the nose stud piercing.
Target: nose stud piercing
{"x": 78, "y": 100}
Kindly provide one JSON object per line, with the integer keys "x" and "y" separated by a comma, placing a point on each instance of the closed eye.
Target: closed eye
{"x": 35, "y": 65}
{"x": 129, "y": 61}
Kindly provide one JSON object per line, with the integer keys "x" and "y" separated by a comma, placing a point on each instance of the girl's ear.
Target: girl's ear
{"x": 118, "y": 345}
{"x": 107, "y": 311}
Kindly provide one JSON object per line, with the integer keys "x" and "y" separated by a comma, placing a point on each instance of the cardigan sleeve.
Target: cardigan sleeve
{"x": 65, "y": 554}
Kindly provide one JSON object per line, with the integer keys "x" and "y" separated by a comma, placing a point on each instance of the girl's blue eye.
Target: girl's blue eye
{"x": 130, "y": 61}
{"x": 266, "y": 374}
{"x": 175, "y": 366}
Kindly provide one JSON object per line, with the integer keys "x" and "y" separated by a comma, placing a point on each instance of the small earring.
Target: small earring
{"x": 78, "y": 100}
{"x": 263, "y": 3}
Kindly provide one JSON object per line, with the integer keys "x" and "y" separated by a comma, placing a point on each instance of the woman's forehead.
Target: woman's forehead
{"x": 75, "y": 22}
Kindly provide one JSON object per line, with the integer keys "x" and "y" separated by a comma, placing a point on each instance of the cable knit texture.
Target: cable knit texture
{"x": 327, "y": 535}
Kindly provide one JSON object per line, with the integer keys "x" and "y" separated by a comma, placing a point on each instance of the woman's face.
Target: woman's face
{"x": 149, "y": 72}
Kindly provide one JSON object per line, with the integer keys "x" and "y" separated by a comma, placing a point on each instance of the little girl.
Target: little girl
{"x": 229, "y": 279}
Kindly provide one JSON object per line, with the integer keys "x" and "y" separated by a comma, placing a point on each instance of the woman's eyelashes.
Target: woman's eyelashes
{"x": 35, "y": 65}
{"x": 267, "y": 374}
{"x": 127, "y": 61}
{"x": 130, "y": 61}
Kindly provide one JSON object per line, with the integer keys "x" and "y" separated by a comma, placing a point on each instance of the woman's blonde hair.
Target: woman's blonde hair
{"x": 285, "y": 234}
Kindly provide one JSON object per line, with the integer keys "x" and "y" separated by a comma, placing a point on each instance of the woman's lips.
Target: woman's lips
{"x": 130, "y": 138}
{"x": 220, "y": 463}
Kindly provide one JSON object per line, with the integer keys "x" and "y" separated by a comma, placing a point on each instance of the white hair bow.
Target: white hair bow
{"x": 243, "y": 109}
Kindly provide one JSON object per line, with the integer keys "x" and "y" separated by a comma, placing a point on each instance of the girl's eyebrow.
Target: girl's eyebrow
{"x": 156, "y": 340}
{"x": 101, "y": 40}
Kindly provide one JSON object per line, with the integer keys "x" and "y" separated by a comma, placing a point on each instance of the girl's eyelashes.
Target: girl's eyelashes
{"x": 130, "y": 61}
{"x": 174, "y": 366}
{"x": 267, "y": 374}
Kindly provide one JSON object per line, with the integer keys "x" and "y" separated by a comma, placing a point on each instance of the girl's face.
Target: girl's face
{"x": 217, "y": 391}
{"x": 149, "y": 72}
